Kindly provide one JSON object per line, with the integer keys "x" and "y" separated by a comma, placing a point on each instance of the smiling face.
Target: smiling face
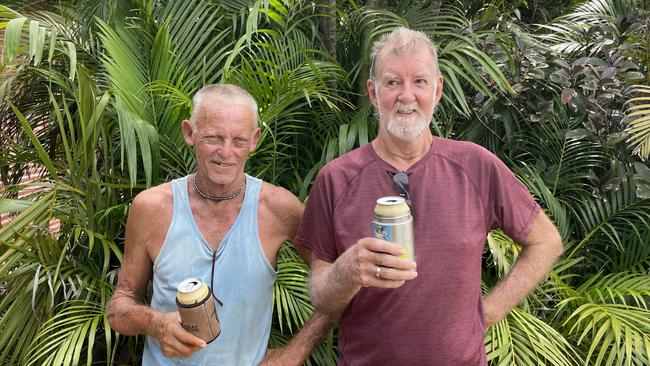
{"x": 223, "y": 137}
{"x": 405, "y": 92}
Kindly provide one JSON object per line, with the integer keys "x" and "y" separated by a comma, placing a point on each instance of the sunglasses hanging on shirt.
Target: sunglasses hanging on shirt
{"x": 401, "y": 180}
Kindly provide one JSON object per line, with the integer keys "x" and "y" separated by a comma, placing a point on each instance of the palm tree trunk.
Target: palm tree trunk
{"x": 328, "y": 30}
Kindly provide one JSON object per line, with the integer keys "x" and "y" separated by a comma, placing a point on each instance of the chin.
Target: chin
{"x": 409, "y": 132}
{"x": 220, "y": 178}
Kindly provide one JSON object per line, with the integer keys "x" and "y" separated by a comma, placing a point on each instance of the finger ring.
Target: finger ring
{"x": 378, "y": 272}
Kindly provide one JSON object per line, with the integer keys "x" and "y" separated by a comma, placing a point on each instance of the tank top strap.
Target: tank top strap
{"x": 180, "y": 194}
{"x": 253, "y": 188}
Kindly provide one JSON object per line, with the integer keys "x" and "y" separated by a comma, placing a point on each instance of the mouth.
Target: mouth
{"x": 407, "y": 110}
{"x": 222, "y": 164}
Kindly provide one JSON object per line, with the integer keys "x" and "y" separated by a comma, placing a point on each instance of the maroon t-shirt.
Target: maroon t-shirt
{"x": 459, "y": 191}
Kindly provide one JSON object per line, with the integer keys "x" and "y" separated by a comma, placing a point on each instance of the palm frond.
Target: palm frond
{"x": 611, "y": 216}
{"x": 503, "y": 251}
{"x": 570, "y": 153}
{"x": 537, "y": 186}
{"x": 292, "y": 306}
{"x": 638, "y": 128}
{"x": 290, "y": 293}
{"x": 522, "y": 339}
{"x": 290, "y": 84}
{"x": 614, "y": 334}
{"x": 69, "y": 335}
{"x": 635, "y": 257}
{"x": 129, "y": 74}
{"x": 570, "y": 33}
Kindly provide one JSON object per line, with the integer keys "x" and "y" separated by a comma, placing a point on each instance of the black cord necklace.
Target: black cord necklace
{"x": 219, "y": 198}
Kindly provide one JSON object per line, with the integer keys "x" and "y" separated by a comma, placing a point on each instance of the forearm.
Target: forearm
{"x": 309, "y": 336}
{"x": 130, "y": 317}
{"x": 331, "y": 290}
{"x": 530, "y": 268}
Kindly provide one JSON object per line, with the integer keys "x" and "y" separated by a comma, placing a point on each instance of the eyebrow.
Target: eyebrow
{"x": 390, "y": 75}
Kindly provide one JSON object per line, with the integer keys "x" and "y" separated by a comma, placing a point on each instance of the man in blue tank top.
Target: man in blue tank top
{"x": 222, "y": 226}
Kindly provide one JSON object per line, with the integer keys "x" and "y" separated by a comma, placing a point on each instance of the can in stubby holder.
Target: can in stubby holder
{"x": 393, "y": 222}
{"x": 197, "y": 308}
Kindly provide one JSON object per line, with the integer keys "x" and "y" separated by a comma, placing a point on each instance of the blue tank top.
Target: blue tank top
{"x": 243, "y": 281}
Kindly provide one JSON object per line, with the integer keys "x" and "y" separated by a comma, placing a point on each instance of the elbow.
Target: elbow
{"x": 116, "y": 318}
{"x": 112, "y": 316}
{"x": 556, "y": 246}
{"x": 314, "y": 297}
{"x": 320, "y": 303}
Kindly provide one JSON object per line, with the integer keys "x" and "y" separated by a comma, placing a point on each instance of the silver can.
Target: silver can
{"x": 393, "y": 222}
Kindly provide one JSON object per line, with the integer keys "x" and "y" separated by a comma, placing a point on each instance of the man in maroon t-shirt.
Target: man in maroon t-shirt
{"x": 392, "y": 313}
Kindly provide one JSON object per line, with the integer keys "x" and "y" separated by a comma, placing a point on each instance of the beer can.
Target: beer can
{"x": 197, "y": 308}
{"x": 393, "y": 222}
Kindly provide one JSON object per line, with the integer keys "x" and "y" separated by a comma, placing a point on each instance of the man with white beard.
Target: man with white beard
{"x": 392, "y": 313}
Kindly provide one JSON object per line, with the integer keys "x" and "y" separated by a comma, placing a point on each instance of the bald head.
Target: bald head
{"x": 221, "y": 94}
{"x": 399, "y": 40}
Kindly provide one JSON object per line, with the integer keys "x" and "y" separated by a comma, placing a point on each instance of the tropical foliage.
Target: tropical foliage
{"x": 92, "y": 93}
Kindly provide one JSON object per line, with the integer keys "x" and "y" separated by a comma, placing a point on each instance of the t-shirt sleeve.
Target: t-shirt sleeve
{"x": 510, "y": 206}
{"x": 316, "y": 228}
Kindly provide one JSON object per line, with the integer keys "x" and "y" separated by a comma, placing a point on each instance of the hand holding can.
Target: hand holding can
{"x": 197, "y": 309}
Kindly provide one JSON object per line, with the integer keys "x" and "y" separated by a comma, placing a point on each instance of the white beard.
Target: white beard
{"x": 407, "y": 129}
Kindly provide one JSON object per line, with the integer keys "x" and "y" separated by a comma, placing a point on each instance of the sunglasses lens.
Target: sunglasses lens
{"x": 402, "y": 181}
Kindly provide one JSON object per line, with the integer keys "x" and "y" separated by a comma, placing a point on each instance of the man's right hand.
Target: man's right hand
{"x": 372, "y": 262}
{"x": 174, "y": 340}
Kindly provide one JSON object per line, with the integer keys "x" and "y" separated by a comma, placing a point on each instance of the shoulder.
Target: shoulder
{"x": 469, "y": 156}
{"x": 279, "y": 201}
{"x": 279, "y": 213}
{"x": 149, "y": 218}
{"x": 152, "y": 203}
{"x": 154, "y": 197}
{"x": 462, "y": 151}
{"x": 351, "y": 161}
{"x": 346, "y": 168}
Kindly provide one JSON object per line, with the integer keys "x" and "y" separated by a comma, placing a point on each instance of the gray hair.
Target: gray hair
{"x": 398, "y": 40}
{"x": 231, "y": 92}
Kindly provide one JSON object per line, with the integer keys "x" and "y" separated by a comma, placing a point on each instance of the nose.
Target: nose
{"x": 225, "y": 150}
{"x": 406, "y": 94}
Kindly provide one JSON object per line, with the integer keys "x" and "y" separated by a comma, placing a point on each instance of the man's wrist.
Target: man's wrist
{"x": 153, "y": 324}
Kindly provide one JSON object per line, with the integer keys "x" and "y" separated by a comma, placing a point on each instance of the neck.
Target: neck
{"x": 213, "y": 192}
{"x": 400, "y": 153}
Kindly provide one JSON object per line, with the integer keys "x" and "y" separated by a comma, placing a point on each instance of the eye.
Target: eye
{"x": 391, "y": 82}
{"x": 212, "y": 140}
{"x": 240, "y": 142}
{"x": 422, "y": 81}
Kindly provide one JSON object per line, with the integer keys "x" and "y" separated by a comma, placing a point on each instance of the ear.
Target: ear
{"x": 438, "y": 93}
{"x": 254, "y": 140}
{"x": 372, "y": 94}
{"x": 187, "y": 132}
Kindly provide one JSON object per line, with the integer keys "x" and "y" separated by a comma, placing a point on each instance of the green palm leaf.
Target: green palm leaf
{"x": 608, "y": 318}
{"x": 291, "y": 296}
{"x": 70, "y": 334}
{"x": 615, "y": 334}
{"x": 291, "y": 305}
{"x": 522, "y": 339}
{"x": 569, "y": 32}
{"x": 129, "y": 74}
{"x": 611, "y": 216}
{"x": 638, "y": 128}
